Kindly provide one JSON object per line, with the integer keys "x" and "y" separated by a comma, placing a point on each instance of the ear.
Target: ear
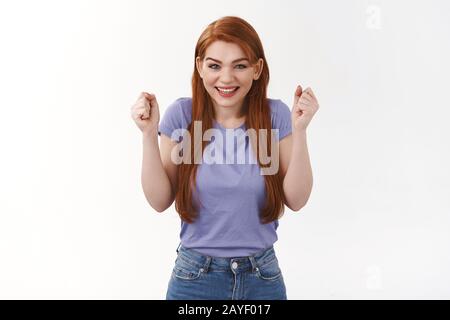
{"x": 258, "y": 68}
{"x": 199, "y": 66}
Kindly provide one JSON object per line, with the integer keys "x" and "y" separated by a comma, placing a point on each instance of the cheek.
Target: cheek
{"x": 247, "y": 79}
{"x": 209, "y": 80}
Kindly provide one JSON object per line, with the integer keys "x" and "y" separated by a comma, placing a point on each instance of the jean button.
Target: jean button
{"x": 234, "y": 265}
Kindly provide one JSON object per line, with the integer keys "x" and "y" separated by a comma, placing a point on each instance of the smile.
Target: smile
{"x": 227, "y": 92}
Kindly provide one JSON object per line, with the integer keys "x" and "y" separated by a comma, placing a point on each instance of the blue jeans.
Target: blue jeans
{"x": 199, "y": 277}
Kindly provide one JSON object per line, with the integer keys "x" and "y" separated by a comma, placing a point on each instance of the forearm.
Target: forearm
{"x": 297, "y": 183}
{"x": 155, "y": 182}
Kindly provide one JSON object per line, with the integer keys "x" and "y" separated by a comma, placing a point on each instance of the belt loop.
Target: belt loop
{"x": 178, "y": 248}
{"x": 207, "y": 263}
{"x": 253, "y": 262}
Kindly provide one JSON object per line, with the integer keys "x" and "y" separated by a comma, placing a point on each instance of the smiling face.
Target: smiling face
{"x": 227, "y": 74}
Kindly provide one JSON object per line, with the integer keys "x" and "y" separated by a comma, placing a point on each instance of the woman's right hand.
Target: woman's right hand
{"x": 145, "y": 112}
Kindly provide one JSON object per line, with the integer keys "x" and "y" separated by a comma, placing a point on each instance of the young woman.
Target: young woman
{"x": 243, "y": 157}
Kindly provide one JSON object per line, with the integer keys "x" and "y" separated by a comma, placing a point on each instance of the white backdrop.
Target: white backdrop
{"x": 74, "y": 222}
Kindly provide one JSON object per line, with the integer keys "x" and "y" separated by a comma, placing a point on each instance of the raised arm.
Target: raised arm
{"x": 158, "y": 177}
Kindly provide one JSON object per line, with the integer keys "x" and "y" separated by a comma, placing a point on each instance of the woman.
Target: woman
{"x": 229, "y": 206}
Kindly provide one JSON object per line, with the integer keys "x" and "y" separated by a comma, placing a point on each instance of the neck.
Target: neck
{"x": 228, "y": 114}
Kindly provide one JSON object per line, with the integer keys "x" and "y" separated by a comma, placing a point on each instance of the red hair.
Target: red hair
{"x": 256, "y": 108}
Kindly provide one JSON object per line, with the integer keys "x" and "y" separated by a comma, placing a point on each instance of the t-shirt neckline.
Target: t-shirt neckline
{"x": 217, "y": 124}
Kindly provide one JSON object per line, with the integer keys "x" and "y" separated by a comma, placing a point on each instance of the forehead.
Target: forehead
{"x": 224, "y": 51}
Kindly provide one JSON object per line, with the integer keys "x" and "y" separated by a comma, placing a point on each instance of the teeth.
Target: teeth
{"x": 226, "y": 90}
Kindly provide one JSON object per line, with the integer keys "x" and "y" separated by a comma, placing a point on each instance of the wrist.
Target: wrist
{"x": 298, "y": 133}
{"x": 150, "y": 135}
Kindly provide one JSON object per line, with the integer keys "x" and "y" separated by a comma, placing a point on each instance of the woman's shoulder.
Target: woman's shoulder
{"x": 182, "y": 104}
{"x": 280, "y": 117}
{"x": 181, "y": 109}
{"x": 279, "y": 110}
{"x": 177, "y": 115}
{"x": 277, "y": 106}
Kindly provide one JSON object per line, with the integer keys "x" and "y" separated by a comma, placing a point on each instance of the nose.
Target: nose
{"x": 226, "y": 76}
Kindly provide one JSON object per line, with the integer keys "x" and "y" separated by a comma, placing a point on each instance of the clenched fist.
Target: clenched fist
{"x": 305, "y": 106}
{"x": 145, "y": 112}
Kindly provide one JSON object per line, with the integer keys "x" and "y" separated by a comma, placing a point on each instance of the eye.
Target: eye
{"x": 215, "y": 66}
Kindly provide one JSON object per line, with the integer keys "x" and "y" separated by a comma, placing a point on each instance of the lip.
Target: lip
{"x": 227, "y": 95}
{"x": 228, "y": 87}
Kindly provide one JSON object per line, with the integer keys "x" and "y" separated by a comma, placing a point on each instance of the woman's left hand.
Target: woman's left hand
{"x": 305, "y": 106}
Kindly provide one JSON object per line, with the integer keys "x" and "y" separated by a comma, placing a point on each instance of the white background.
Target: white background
{"x": 74, "y": 222}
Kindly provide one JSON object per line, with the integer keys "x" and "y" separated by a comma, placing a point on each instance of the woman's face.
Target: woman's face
{"x": 225, "y": 66}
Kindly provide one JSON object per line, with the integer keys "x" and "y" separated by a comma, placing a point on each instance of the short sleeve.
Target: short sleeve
{"x": 281, "y": 118}
{"x": 176, "y": 116}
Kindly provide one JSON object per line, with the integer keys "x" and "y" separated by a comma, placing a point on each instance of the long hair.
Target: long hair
{"x": 256, "y": 108}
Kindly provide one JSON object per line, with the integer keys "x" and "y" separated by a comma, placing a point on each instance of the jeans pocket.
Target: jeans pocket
{"x": 269, "y": 271}
{"x": 186, "y": 271}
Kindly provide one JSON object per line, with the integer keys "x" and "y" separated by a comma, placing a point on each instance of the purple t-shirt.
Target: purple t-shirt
{"x": 230, "y": 195}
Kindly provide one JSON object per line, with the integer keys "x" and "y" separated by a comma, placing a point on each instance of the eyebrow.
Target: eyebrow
{"x": 237, "y": 60}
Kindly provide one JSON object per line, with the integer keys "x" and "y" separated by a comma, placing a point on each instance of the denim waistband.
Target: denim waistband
{"x": 206, "y": 262}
